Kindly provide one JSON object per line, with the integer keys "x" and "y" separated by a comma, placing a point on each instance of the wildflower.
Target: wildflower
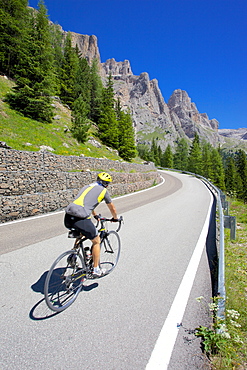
{"x": 234, "y": 323}
{"x": 233, "y": 314}
{"x": 223, "y": 331}
{"x": 212, "y": 307}
{"x": 237, "y": 339}
{"x": 226, "y": 335}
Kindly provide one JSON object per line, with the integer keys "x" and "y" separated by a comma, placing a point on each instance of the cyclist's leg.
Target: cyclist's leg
{"x": 88, "y": 229}
{"x": 96, "y": 251}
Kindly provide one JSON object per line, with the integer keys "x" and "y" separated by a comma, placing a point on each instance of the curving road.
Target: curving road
{"x": 138, "y": 317}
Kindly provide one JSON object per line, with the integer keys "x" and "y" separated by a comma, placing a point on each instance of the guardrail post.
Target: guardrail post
{"x": 225, "y": 204}
{"x": 230, "y": 223}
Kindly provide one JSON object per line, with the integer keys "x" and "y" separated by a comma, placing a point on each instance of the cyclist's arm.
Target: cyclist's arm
{"x": 112, "y": 210}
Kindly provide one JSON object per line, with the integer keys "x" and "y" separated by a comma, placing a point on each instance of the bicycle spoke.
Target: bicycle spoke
{"x": 64, "y": 281}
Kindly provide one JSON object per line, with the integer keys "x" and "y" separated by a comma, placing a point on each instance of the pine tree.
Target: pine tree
{"x": 241, "y": 165}
{"x": 83, "y": 83}
{"x": 167, "y": 158}
{"x": 96, "y": 88}
{"x": 108, "y": 96}
{"x": 108, "y": 127}
{"x": 126, "y": 148}
{"x": 107, "y": 122}
{"x": 195, "y": 157}
{"x": 233, "y": 180}
{"x": 154, "y": 153}
{"x": 34, "y": 76}
{"x": 217, "y": 173}
{"x": 57, "y": 48}
{"x": 43, "y": 53}
{"x": 181, "y": 155}
{"x": 14, "y": 16}
{"x": 70, "y": 65}
{"x": 143, "y": 152}
{"x": 80, "y": 122}
{"x": 207, "y": 164}
{"x": 159, "y": 154}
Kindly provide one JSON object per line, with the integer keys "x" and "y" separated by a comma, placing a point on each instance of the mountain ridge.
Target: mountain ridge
{"x": 153, "y": 118}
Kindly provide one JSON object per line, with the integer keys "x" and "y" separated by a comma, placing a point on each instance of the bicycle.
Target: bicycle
{"x": 65, "y": 279}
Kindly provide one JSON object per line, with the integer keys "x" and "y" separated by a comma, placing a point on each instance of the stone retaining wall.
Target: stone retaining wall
{"x": 33, "y": 183}
{"x": 15, "y": 160}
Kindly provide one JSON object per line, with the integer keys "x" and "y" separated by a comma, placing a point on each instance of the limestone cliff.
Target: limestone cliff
{"x": 88, "y": 46}
{"x": 152, "y": 117}
{"x": 182, "y": 109}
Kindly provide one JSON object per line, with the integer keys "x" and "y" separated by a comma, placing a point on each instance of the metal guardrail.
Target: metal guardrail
{"x": 225, "y": 221}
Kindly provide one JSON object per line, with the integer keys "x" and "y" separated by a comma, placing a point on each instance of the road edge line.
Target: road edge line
{"x": 163, "y": 348}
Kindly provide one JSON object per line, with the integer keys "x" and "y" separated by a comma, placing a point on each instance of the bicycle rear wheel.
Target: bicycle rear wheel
{"x": 64, "y": 280}
{"x": 110, "y": 251}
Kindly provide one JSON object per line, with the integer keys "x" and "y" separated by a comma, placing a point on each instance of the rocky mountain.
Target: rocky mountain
{"x": 234, "y": 139}
{"x": 152, "y": 116}
{"x": 88, "y": 45}
{"x": 239, "y": 134}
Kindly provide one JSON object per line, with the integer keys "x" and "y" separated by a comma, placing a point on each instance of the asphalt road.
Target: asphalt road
{"x": 21, "y": 233}
{"x": 138, "y": 317}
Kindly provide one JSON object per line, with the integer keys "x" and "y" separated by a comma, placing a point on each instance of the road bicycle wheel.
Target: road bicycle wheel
{"x": 110, "y": 251}
{"x": 64, "y": 280}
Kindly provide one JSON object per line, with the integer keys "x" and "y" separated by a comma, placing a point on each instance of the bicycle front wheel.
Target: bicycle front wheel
{"x": 109, "y": 251}
{"x": 64, "y": 280}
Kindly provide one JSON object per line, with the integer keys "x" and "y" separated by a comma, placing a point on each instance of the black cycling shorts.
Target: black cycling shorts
{"x": 85, "y": 225}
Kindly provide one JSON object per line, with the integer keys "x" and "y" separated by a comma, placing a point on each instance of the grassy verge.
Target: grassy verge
{"x": 233, "y": 343}
{"x": 225, "y": 341}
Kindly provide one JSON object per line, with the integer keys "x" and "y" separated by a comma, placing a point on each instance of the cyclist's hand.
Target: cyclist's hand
{"x": 96, "y": 217}
{"x": 114, "y": 219}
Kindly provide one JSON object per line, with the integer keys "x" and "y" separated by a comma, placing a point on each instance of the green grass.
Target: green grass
{"x": 148, "y": 134}
{"x": 234, "y": 352}
{"x": 22, "y": 133}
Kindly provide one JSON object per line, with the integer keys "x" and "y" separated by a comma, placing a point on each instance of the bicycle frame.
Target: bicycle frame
{"x": 103, "y": 232}
{"x": 68, "y": 272}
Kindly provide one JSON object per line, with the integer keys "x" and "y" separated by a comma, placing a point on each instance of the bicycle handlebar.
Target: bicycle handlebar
{"x": 104, "y": 219}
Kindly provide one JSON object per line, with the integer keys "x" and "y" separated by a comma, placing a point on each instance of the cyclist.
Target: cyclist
{"x": 78, "y": 214}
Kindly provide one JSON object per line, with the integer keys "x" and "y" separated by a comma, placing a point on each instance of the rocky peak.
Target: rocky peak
{"x": 87, "y": 45}
{"x": 181, "y": 104}
{"x": 180, "y": 98}
{"x": 116, "y": 68}
{"x": 152, "y": 117}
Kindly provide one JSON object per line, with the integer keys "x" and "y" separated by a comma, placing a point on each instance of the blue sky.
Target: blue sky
{"x": 199, "y": 46}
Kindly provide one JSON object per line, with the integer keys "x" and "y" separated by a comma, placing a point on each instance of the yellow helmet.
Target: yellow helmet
{"x": 104, "y": 178}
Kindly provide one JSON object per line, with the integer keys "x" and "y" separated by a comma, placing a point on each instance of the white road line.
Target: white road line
{"x": 162, "y": 351}
{"x": 30, "y": 218}
{"x": 55, "y": 213}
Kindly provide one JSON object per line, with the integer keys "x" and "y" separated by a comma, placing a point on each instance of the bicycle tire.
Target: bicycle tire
{"x": 64, "y": 281}
{"x": 110, "y": 247}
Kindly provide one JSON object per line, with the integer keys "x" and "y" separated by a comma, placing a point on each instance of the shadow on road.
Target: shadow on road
{"x": 40, "y": 310}
{"x": 39, "y": 285}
